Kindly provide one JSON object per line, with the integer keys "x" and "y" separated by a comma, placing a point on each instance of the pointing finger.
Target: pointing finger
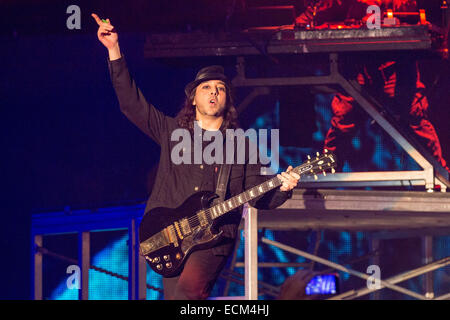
{"x": 97, "y": 19}
{"x": 102, "y": 22}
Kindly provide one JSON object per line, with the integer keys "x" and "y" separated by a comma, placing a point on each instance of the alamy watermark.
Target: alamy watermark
{"x": 74, "y": 20}
{"x": 235, "y": 139}
{"x": 73, "y": 281}
{"x": 374, "y": 281}
{"x": 374, "y": 20}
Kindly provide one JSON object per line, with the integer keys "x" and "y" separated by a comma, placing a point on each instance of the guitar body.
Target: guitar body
{"x": 169, "y": 260}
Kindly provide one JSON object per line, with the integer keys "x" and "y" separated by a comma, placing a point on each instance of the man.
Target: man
{"x": 208, "y": 101}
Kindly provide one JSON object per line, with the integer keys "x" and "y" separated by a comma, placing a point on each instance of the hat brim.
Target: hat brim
{"x": 217, "y": 76}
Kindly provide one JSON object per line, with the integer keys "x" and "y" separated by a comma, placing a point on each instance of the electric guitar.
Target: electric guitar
{"x": 168, "y": 236}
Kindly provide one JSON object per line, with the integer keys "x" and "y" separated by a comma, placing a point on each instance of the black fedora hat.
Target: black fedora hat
{"x": 206, "y": 74}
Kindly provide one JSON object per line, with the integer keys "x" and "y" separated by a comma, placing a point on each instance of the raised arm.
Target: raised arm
{"x": 132, "y": 102}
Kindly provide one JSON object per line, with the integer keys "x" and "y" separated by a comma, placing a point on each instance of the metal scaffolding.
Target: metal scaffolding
{"x": 383, "y": 214}
{"x": 82, "y": 223}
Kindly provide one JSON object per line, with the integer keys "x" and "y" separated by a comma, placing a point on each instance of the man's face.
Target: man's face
{"x": 210, "y": 98}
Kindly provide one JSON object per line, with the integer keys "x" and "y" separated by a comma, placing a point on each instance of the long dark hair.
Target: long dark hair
{"x": 186, "y": 116}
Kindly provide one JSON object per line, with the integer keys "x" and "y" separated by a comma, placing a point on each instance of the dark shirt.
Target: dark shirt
{"x": 176, "y": 182}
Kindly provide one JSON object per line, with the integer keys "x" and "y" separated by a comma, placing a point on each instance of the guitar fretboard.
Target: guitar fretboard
{"x": 228, "y": 205}
{"x": 319, "y": 164}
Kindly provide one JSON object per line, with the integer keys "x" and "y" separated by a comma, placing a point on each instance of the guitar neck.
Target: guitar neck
{"x": 221, "y": 208}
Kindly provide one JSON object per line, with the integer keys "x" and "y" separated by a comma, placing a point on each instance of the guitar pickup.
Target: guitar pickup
{"x": 177, "y": 228}
{"x": 202, "y": 218}
{"x": 185, "y": 227}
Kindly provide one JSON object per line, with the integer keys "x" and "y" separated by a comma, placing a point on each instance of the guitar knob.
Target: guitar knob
{"x": 159, "y": 266}
{"x": 178, "y": 256}
{"x": 166, "y": 257}
{"x": 156, "y": 260}
{"x": 169, "y": 265}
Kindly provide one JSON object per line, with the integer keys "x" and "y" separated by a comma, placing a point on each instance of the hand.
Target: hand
{"x": 289, "y": 179}
{"x": 294, "y": 288}
{"x": 106, "y": 33}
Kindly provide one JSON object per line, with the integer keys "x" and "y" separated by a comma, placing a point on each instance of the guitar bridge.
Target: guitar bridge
{"x": 171, "y": 235}
{"x": 158, "y": 241}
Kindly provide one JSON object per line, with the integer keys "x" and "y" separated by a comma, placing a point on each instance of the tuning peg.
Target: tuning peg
{"x": 309, "y": 157}
{"x": 324, "y": 173}
{"x": 325, "y": 150}
{"x": 317, "y": 154}
{"x": 332, "y": 170}
{"x": 315, "y": 177}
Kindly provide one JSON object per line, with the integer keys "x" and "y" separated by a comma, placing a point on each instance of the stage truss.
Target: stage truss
{"x": 382, "y": 214}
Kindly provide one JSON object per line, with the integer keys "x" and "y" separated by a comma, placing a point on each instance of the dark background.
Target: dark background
{"x": 64, "y": 141}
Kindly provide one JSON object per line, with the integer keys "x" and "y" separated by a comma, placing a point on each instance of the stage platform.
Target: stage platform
{"x": 360, "y": 210}
{"x": 381, "y": 214}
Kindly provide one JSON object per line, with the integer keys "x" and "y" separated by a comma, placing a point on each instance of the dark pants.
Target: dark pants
{"x": 201, "y": 270}
{"x": 397, "y": 83}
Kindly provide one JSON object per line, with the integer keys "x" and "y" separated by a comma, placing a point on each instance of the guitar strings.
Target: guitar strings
{"x": 194, "y": 220}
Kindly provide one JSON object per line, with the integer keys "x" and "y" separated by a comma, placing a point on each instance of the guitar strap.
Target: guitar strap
{"x": 224, "y": 174}
{"x": 222, "y": 182}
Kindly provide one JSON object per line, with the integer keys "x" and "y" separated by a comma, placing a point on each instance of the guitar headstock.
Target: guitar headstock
{"x": 320, "y": 164}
